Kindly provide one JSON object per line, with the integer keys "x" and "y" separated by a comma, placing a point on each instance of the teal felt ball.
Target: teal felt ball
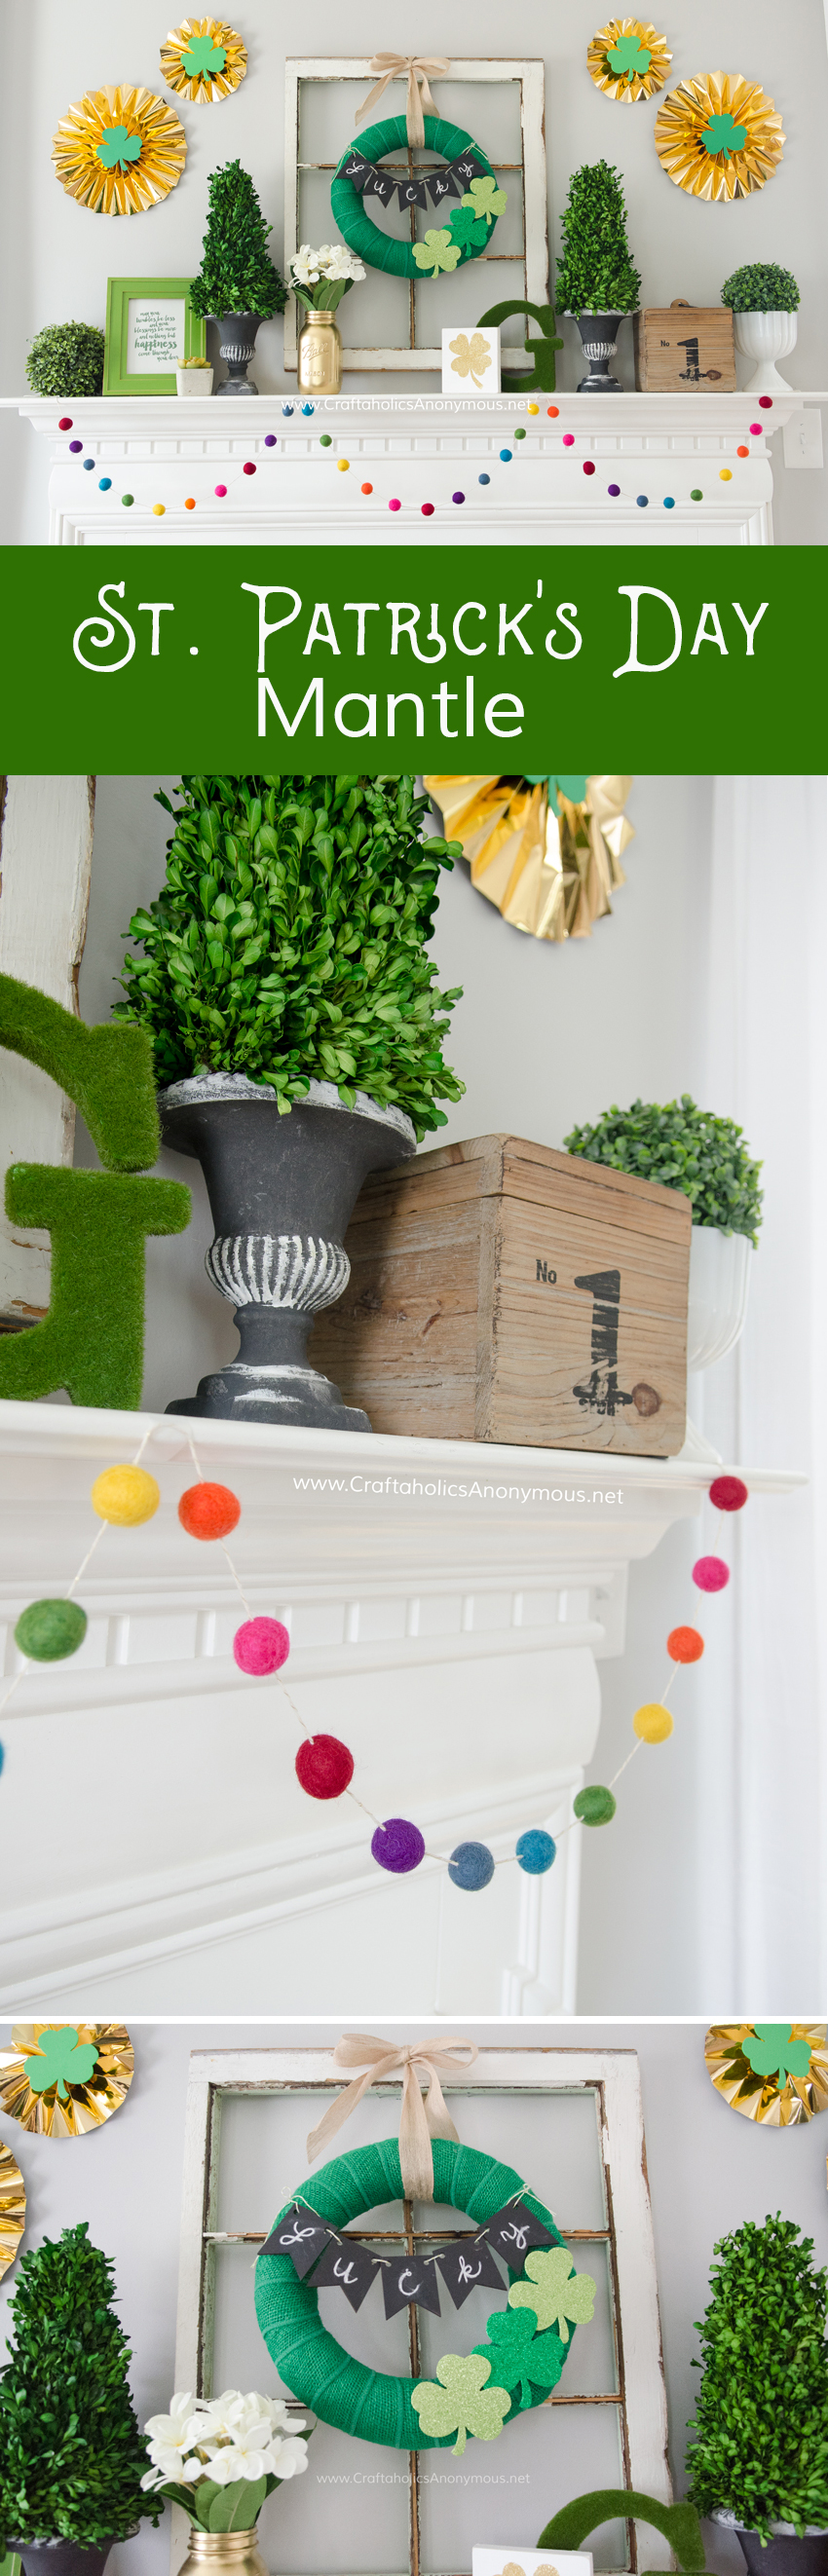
{"x": 535, "y": 1851}
{"x": 471, "y": 1865}
{"x": 49, "y": 1630}
{"x": 594, "y": 1806}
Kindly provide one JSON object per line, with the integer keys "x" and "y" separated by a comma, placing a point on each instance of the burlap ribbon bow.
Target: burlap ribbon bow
{"x": 391, "y": 67}
{"x": 421, "y": 2119}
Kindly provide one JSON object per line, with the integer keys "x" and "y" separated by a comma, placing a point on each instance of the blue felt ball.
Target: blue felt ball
{"x": 535, "y": 1851}
{"x": 287, "y": 413}
{"x": 484, "y": 478}
{"x": 471, "y": 1865}
{"x": 2, "y": 1756}
{"x": 307, "y": 409}
{"x": 505, "y": 456}
{"x": 643, "y": 500}
{"x": 669, "y": 504}
{"x": 89, "y": 465}
{"x": 105, "y": 484}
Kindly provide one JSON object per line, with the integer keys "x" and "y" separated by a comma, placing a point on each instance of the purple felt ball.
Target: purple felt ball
{"x": 75, "y": 446}
{"x": 261, "y": 1645}
{"x": 270, "y": 440}
{"x": 614, "y": 490}
{"x": 710, "y": 1573}
{"x": 397, "y": 1844}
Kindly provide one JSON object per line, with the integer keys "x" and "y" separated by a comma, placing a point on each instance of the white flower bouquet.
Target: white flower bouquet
{"x": 220, "y": 2457}
{"x": 320, "y": 278}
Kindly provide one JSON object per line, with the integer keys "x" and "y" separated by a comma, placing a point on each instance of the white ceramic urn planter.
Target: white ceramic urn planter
{"x": 720, "y": 1271}
{"x": 765, "y": 337}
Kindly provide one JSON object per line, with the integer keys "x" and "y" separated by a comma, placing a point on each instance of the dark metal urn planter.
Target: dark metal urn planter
{"x": 281, "y": 1191}
{"x": 599, "y": 335}
{"x": 783, "y": 2554}
{"x": 63, "y": 2557}
{"x": 237, "y": 342}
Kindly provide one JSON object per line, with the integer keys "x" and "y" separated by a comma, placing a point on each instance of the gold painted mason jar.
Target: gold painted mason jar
{"x": 223, "y": 2553}
{"x": 320, "y": 355}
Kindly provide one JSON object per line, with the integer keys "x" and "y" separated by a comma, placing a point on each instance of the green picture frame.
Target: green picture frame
{"x": 121, "y": 292}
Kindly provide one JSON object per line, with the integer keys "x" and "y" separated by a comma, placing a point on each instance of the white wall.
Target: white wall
{"x": 62, "y": 254}
{"x": 709, "y": 2170}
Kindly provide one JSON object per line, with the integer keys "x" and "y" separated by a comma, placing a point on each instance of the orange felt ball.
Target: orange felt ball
{"x": 685, "y": 1645}
{"x": 209, "y": 1511}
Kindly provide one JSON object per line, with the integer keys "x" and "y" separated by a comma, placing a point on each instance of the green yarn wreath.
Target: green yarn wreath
{"x": 372, "y": 2405}
{"x": 462, "y": 232}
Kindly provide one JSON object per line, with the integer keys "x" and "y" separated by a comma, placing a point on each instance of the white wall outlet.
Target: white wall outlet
{"x": 802, "y": 437}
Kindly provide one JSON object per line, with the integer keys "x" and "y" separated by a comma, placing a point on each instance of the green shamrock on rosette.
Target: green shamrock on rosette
{"x": 573, "y": 787}
{"x": 554, "y": 2290}
{"x": 62, "y": 2059}
{"x": 629, "y": 57}
{"x": 770, "y": 2049}
{"x": 201, "y": 57}
{"x": 523, "y": 2359}
{"x": 463, "y": 2403}
{"x": 436, "y": 252}
{"x": 118, "y": 148}
{"x": 724, "y": 135}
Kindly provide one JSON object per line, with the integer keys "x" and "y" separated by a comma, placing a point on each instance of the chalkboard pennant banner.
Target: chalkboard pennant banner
{"x": 378, "y": 184}
{"x": 443, "y": 183}
{"x": 406, "y": 2283}
{"x": 412, "y": 192}
{"x": 514, "y": 2231}
{"x": 370, "y": 180}
{"x": 467, "y": 2267}
{"x": 358, "y": 169}
{"x": 302, "y": 2236}
{"x": 346, "y": 2267}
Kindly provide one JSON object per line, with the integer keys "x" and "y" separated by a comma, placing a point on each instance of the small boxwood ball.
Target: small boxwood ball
{"x": 125, "y": 1495}
{"x": 324, "y": 1767}
{"x": 261, "y": 1646}
{"x": 48, "y": 1630}
{"x": 209, "y": 1511}
{"x": 595, "y": 1806}
{"x": 684, "y": 1645}
{"x": 471, "y": 1865}
{"x": 711, "y": 1573}
{"x": 728, "y": 1494}
{"x": 653, "y": 1723}
{"x": 398, "y": 1845}
{"x": 535, "y": 1851}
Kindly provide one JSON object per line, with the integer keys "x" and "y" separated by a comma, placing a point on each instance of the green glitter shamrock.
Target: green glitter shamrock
{"x": 554, "y": 2290}
{"x": 771, "y": 2051}
{"x": 486, "y": 198}
{"x": 118, "y": 148}
{"x": 722, "y": 135}
{"x": 203, "y": 57}
{"x": 572, "y": 786}
{"x": 61, "y": 2055}
{"x": 628, "y": 57}
{"x": 436, "y": 252}
{"x": 463, "y": 2404}
{"x": 466, "y": 227}
{"x": 523, "y": 2359}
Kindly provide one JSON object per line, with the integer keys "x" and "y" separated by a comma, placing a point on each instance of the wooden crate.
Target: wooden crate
{"x": 682, "y": 347}
{"x": 502, "y": 1291}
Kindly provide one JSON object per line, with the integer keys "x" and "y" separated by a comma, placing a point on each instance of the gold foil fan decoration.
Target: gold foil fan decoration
{"x": 119, "y": 151}
{"x": 204, "y": 59}
{"x": 62, "y": 2078}
{"x": 546, "y": 851}
{"x": 773, "y": 2071}
{"x": 719, "y": 136}
{"x": 12, "y": 2208}
{"x": 628, "y": 59}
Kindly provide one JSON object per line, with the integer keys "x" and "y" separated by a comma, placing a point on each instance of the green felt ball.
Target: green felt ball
{"x": 50, "y": 1629}
{"x": 594, "y": 1806}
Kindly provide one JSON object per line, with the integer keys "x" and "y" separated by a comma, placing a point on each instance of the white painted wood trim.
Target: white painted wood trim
{"x": 45, "y": 865}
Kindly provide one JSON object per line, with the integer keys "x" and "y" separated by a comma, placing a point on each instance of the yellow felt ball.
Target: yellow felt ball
{"x": 533, "y": 407}
{"x": 342, "y": 464}
{"x": 126, "y": 1495}
{"x": 653, "y": 1723}
{"x": 158, "y": 510}
{"x": 725, "y": 475}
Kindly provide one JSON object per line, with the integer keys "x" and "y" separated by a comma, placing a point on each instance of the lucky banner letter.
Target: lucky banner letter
{"x": 347, "y": 2267}
{"x": 469, "y": 2267}
{"x": 302, "y": 2236}
{"x": 513, "y": 2232}
{"x": 406, "y": 2283}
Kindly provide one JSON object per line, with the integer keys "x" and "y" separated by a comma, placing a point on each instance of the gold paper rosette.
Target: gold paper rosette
{"x": 119, "y": 151}
{"x": 548, "y": 859}
{"x": 62, "y": 2079}
{"x": 776, "y": 2072}
{"x": 628, "y": 59}
{"x": 203, "y": 59}
{"x": 12, "y": 2208}
{"x": 719, "y": 136}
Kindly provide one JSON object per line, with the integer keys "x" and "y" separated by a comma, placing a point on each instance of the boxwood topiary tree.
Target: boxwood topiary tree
{"x": 761, "y": 2422}
{"x": 761, "y": 289}
{"x": 684, "y": 1148}
{"x": 237, "y": 274}
{"x": 596, "y": 273}
{"x": 71, "y": 2455}
{"x": 288, "y": 941}
{"x": 67, "y": 358}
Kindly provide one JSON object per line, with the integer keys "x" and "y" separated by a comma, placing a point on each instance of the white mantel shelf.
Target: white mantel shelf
{"x": 454, "y": 1640}
{"x": 417, "y": 449}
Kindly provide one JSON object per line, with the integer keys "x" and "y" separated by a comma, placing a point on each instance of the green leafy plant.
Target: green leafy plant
{"x": 71, "y": 2455}
{"x": 684, "y": 1148}
{"x": 67, "y": 358}
{"x": 237, "y": 274}
{"x": 596, "y": 273}
{"x": 761, "y": 2422}
{"x": 288, "y": 942}
{"x": 761, "y": 289}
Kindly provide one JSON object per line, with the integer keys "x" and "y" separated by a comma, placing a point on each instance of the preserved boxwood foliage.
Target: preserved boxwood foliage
{"x": 684, "y": 1148}
{"x": 761, "y": 2422}
{"x": 71, "y": 2455}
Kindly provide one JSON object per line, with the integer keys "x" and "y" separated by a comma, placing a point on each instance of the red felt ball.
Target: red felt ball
{"x": 261, "y": 1645}
{"x": 209, "y": 1511}
{"x": 728, "y": 1494}
{"x": 588, "y": 465}
{"x": 684, "y": 1645}
{"x": 248, "y": 469}
{"x": 710, "y": 1573}
{"x": 324, "y": 1767}
{"x": 65, "y": 423}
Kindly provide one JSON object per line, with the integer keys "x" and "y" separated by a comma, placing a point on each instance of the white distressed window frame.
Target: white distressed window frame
{"x": 356, "y": 71}
{"x": 612, "y": 2076}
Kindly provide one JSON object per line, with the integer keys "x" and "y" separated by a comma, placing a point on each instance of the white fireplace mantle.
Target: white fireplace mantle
{"x": 550, "y": 484}
{"x": 452, "y": 1638}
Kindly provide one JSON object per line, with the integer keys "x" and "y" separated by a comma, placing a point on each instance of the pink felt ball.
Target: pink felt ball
{"x": 588, "y": 465}
{"x": 728, "y": 1494}
{"x": 568, "y": 438}
{"x": 221, "y": 491}
{"x": 324, "y": 1767}
{"x": 395, "y": 505}
{"x": 710, "y": 1573}
{"x": 261, "y": 1645}
{"x": 756, "y": 429}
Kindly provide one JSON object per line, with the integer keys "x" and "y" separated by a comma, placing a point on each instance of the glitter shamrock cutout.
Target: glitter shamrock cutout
{"x": 771, "y": 2050}
{"x": 436, "y": 252}
{"x": 486, "y": 198}
{"x": 724, "y": 135}
{"x": 466, "y": 227}
{"x": 470, "y": 357}
{"x": 629, "y": 58}
{"x": 201, "y": 57}
{"x": 463, "y": 2403}
{"x": 119, "y": 148}
{"x": 554, "y": 2290}
{"x": 523, "y": 2359}
{"x": 61, "y": 2058}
